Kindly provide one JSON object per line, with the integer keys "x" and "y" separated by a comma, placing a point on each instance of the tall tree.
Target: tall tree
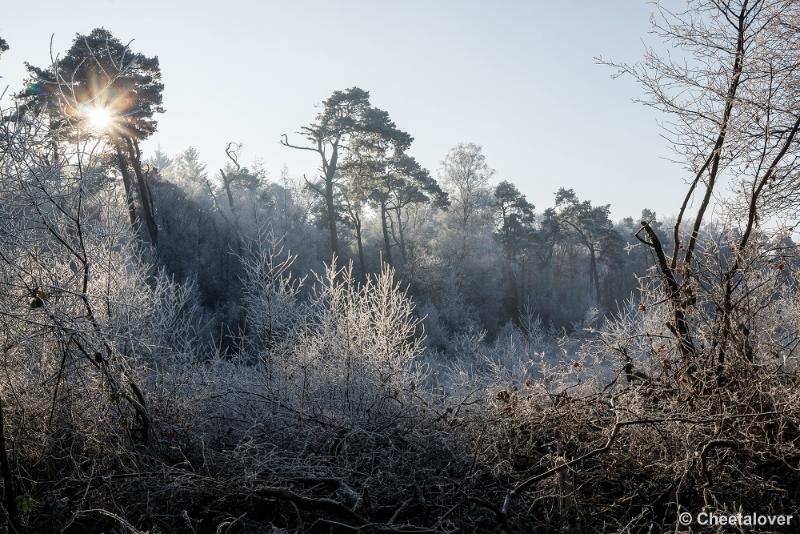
{"x": 355, "y": 199}
{"x": 382, "y": 173}
{"x": 514, "y": 223}
{"x": 589, "y": 225}
{"x": 514, "y": 218}
{"x": 346, "y": 117}
{"x": 466, "y": 175}
{"x": 101, "y": 88}
{"x": 402, "y": 182}
{"x": 414, "y": 188}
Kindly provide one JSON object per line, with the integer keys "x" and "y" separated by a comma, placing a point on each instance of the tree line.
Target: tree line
{"x": 470, "y": 245}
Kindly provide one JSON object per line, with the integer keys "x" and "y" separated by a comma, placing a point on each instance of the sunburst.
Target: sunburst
{"x": 100, "y": 107}
{"x": 99, "y": 118}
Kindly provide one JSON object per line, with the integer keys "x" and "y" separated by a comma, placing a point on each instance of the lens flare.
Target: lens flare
{"x": 99, "y": 119}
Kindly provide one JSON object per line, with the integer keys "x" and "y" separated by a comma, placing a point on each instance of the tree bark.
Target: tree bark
{"x": 401, "y": 236}
{"x": 593, "y": 272}
{"x": 127, "y": 181}
{"x": 330, "y": 205}
{"x": 679, "y": 325}
{"x": 387, "y": 245}
{"x": 144, "y": 192}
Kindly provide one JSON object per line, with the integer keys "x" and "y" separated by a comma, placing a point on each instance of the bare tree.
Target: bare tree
{"x": 466, "y": 176}
{"x": 734, "y": 111}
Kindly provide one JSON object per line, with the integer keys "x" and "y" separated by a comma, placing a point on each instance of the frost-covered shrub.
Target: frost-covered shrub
{"x": 355, "y": 354}
{"x": 86, "y": 317}
{"x": 270, "y": 291}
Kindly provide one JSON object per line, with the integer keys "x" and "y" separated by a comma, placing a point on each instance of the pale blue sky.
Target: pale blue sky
{"x": 517, "y": 77}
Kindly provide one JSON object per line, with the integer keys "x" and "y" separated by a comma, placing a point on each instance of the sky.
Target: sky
{"x": 517, "y": 77}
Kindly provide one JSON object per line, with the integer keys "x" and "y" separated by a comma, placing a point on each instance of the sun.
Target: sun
{"x": 98, "y": 118}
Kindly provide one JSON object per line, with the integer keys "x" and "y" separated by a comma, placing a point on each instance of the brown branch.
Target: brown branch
{"x": 717, "y": 152}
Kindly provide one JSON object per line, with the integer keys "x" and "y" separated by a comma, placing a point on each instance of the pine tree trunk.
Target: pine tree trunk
{"x": 144, "y": 193}
{"x": 387, "y": 245}
{"x": 127, "y": 181}
{"x": 594, "y": 275}
{"x": 330, "y": 206}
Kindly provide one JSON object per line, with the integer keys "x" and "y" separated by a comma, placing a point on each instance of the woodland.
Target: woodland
{"x": 385, "y": 348}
